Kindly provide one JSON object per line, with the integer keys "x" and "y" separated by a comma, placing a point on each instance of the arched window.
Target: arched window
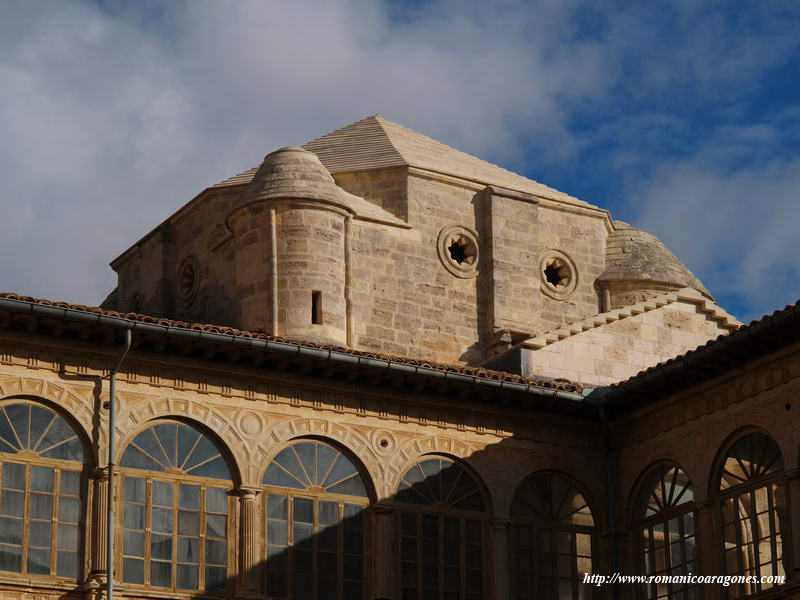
{"x": 665, "y": 524}
{"x": 552, "y": 530}
{"x": 442, "y": 532}
{"x": 42, "y": 491}
{"x": 753, "y": 510}
{"x": 314, "y": 503}
{"x": 175, "y": 525}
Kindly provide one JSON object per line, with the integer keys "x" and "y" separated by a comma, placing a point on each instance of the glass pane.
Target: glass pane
{"x": 40, "y": 532}
{"x": 10, "y": 442}
{"x": 306, "y": 453}
{"x": 215, "y": 578}
{"x": 42, "y": 479}
{"x": 277, "y": 507}
{"x": 188, "y": 523}
{"x": 163, "y": 493}
{"x": 68, "y": 537}
{"x": 188, "y": 549}
{"x": 216, "y": 526}
{"x": 162, "y": 520}
{"x": 13, "y": 476}
{"x": 41, "y": 506}
{"x": 216, "y": 500}
{"x": 160, "y": 573}
{"x": 10, "y": 530}
{"x": 161, "y": 546}
{"x": 133, "y": 543}
{"x": 41, "y": 418}
{"x": 71, "y": 483}
{"x": 187, "y": 577}
{"x": 134, "y": 489}
{"x": 187, "y": 440}
{"x": 70, "y": 450}
{"x": 285, "y": 471}
{"x": 69, "y": 509}
{"x": 133, "y": 516}
{"x": 133, "y": 570}
{"x": 341, "y": 469}
{"x": 39, "y": 561}
{"x": 166, "y": 435}
{"x": 328, "y": 512}
{"x": 10, "y": 558}
{"x": 19, "y": 415}
{"x": 303, "y": 510}
{"x": 216, "y": 468}
{"x": 277, "y": 533}
{"x": 352, "y": 487}
{"x": 11, "y": 503}
{"x": 67, "y": 564}
{"x": 189, "y": 496}
{"x": 216, "y": 552}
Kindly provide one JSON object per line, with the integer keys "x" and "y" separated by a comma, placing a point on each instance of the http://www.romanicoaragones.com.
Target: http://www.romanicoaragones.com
{"x": 723, "y": 580}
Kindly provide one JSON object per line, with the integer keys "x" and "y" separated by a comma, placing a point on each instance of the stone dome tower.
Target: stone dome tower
{"x": 289, "y": 228}
{"x": 639, "y": 266}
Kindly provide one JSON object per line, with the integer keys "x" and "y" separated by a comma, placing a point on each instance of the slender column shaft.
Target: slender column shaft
{"x": 793, "y": 508}
{"x": 99, "y": 522}
{"x": 249, "y": 538}
{"x": 706, "y": 546}
{"x": 384, "y": 547}
{"x": 502, "y": 564}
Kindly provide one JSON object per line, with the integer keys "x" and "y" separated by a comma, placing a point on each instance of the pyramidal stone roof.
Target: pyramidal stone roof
{"x": 377, "y": 143}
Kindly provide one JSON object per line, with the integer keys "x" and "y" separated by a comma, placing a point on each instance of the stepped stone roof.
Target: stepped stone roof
{"x": 376, "y": 143}
{"x": 687, "y": 294}
{"x": 634, "y": 254}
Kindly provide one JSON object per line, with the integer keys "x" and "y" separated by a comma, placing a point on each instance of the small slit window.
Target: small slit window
{"x": 316, "y": 307}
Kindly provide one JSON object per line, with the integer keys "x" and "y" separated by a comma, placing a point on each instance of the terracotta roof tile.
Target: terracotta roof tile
{"x": 554, "y": 384}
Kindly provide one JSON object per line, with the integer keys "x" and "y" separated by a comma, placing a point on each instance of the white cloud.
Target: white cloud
{"x": 112, "y": 120}
{"x": 735, "y": 225}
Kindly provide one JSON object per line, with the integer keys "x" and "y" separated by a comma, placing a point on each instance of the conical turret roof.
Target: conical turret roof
{"x": 633, "y": 254}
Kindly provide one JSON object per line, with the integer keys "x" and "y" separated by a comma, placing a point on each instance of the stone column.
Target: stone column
{"x": 707, "y": 548}
{"x": 248, "y": 542}
{"x": 501, "y": 559}
{"x": 793, "y": 528}
{"x": 99, "y": 568}
{"x": 384, "y": 543}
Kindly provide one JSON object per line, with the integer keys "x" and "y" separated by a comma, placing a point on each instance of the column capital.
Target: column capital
{"x": 792, "y": 475}
{"x": 499, "y": 525}
{"x": 100, "y": 473}
{"x": 705, "y": 507}
{"x": 247, "y": 493}
{"x": 383, "y": 509}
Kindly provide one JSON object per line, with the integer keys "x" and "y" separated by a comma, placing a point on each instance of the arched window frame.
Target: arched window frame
{"x": 676, "y": 514}
{"x": 528, "y": 537}
{"x": 415, "y": 521}
{"x": 65, "y": 521}
{"x": 352, "y": 540}
{"x": 214, "y": 508}
{"x": 764, "y": 491}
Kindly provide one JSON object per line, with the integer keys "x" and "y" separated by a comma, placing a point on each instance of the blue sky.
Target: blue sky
{"x": 681, "y": 117}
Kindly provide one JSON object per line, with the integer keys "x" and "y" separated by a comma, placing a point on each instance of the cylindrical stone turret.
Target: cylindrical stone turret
{"x": 639, "y": 266}
{"x": 289, "y": 229}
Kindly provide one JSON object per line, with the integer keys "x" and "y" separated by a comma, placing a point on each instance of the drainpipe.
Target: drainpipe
{"x": 612, "y": 502}
{"x": 112, "y": 451}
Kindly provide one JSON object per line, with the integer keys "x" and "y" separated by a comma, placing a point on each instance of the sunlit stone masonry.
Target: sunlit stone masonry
{"x": 377, "y": 368}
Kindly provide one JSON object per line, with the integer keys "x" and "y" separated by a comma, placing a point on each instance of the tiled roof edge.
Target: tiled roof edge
{"x": 506, "y": 379}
